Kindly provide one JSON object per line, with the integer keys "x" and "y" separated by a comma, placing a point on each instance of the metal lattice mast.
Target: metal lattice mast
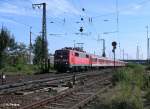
{"x": 137, "y": 53}
{"x": 30, "y": 47}
{"x": 44, "y": 32}
{"x": 147, "y": 43}
{"x": 44, "y": 35}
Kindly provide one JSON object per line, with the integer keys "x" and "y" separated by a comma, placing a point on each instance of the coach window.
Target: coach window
{"x": 87, "y": 56}
{"x": 94, "y": 59}
{"x": 77, "y": 54}
{"x": 82, "y": 55}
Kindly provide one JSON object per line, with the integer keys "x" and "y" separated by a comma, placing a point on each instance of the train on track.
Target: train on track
{"x": 75, "y": 59}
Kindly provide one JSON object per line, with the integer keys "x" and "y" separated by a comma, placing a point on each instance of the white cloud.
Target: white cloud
{"x": 24, "y": 7}
{"x": 9, "y": 8}
{"x": 8, "y": 20}
{"x": 59, "y": 7}
{"x": 137, "y": 7}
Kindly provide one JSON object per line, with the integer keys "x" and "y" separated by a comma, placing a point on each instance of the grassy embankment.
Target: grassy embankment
{"x": 130, "y": 86}
{"x": 22, "y": 69}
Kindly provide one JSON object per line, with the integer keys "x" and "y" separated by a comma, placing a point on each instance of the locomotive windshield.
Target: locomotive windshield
{"x": 61, "y": 54}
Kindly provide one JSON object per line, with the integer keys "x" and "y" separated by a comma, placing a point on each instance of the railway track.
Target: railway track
{"x": 74, "y": 98}
{"x": 39, "y": 91}
{"x": 11, "y": 88}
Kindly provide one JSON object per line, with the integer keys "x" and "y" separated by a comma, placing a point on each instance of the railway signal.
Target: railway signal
{"x": 114, "y": 44}
{"x": 81, "y": 29}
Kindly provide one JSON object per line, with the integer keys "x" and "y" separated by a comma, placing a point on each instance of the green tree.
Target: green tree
{"x": 5, "y": 39}
{"x": 40, "y": 54}
{"x": 37, "y": 50}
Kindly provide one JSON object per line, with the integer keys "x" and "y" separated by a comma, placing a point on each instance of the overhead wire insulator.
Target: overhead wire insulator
{"x": 33, "y": 6}
{"x": 77, "y": 22}
{"x": 39, "y": 7}
{"x": 82, "y": 19}
{"x": 83, "y": 9}
{"x": 90, "y": 20}
{"x": 51, "y": 22}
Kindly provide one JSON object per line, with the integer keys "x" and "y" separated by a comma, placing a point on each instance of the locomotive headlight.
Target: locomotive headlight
{"x": 66, "y": 62}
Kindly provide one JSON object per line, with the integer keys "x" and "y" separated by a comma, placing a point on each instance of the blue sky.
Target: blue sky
{"x": 18, "y": 16}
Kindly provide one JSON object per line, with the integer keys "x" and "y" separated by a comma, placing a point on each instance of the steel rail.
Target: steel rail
{"x": 22, "y": 86}
{"x": 60, "y": 95}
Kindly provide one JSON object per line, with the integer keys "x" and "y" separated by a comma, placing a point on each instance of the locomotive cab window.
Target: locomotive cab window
{"x": 77, "y": 54}
{"x": 61, "y": 54}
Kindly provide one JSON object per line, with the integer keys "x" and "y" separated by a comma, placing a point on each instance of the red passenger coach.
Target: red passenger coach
{"x": 68, "y": 59}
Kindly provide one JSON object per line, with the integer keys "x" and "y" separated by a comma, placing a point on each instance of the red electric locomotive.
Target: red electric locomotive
{"x": 70, "y": 59}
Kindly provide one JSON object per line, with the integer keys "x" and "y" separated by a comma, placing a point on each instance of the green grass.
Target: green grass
{"x": 24, "y": 69}
{"x": 147, "y": 96}
{"x": 129, "y": 82}
{"x": 20, "y": 69}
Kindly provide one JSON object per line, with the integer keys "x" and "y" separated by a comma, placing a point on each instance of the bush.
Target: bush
{"x": 125, "y": 97}
{"x": 147, "y": 67}
{"x": 9, "y": 69}
{"x": 20, "y": 69}
{"x": 130, "y": 80}
{"x": 134, "y": 74}
{"x": 134, "y": 103}
{"x": 147, "y": 96}
{"x": 129, "y": 98}
{"x": 131, "y": 65}
{"x": 146, "y": 82}
{"x": 122, "y": 75}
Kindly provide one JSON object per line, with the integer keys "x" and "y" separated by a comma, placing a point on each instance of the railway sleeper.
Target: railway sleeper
{"x": 51, "y": 107}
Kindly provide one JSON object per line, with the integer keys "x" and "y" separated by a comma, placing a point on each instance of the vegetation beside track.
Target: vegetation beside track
{"x": 20, "y": 69}
{"x": 14, "y": 56}
{"x": 131, "y": 89}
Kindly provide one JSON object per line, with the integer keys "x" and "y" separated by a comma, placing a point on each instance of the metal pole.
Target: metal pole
{"x": 117, "y": 15}
{"x": 123, "y": 54}
{"x": 114, "y": 59}
{"x": 44, "y": 37}
{"x": 114, "y": 44}
{"x": 104, "y": 48}
{"x": 30, "y": 44}
{"x": 74, "y": 44}
{"x": 148, "y": 49}
{"x": 127, "y": 56}
{"x": 104, "y": 54}
{"x": 137, "y": 53}
{"x": 119, "y": 51}
{"x": 147, "y": 43}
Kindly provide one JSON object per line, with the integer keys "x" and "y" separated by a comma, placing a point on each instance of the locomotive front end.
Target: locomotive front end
{"x": 61, "y": 60}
